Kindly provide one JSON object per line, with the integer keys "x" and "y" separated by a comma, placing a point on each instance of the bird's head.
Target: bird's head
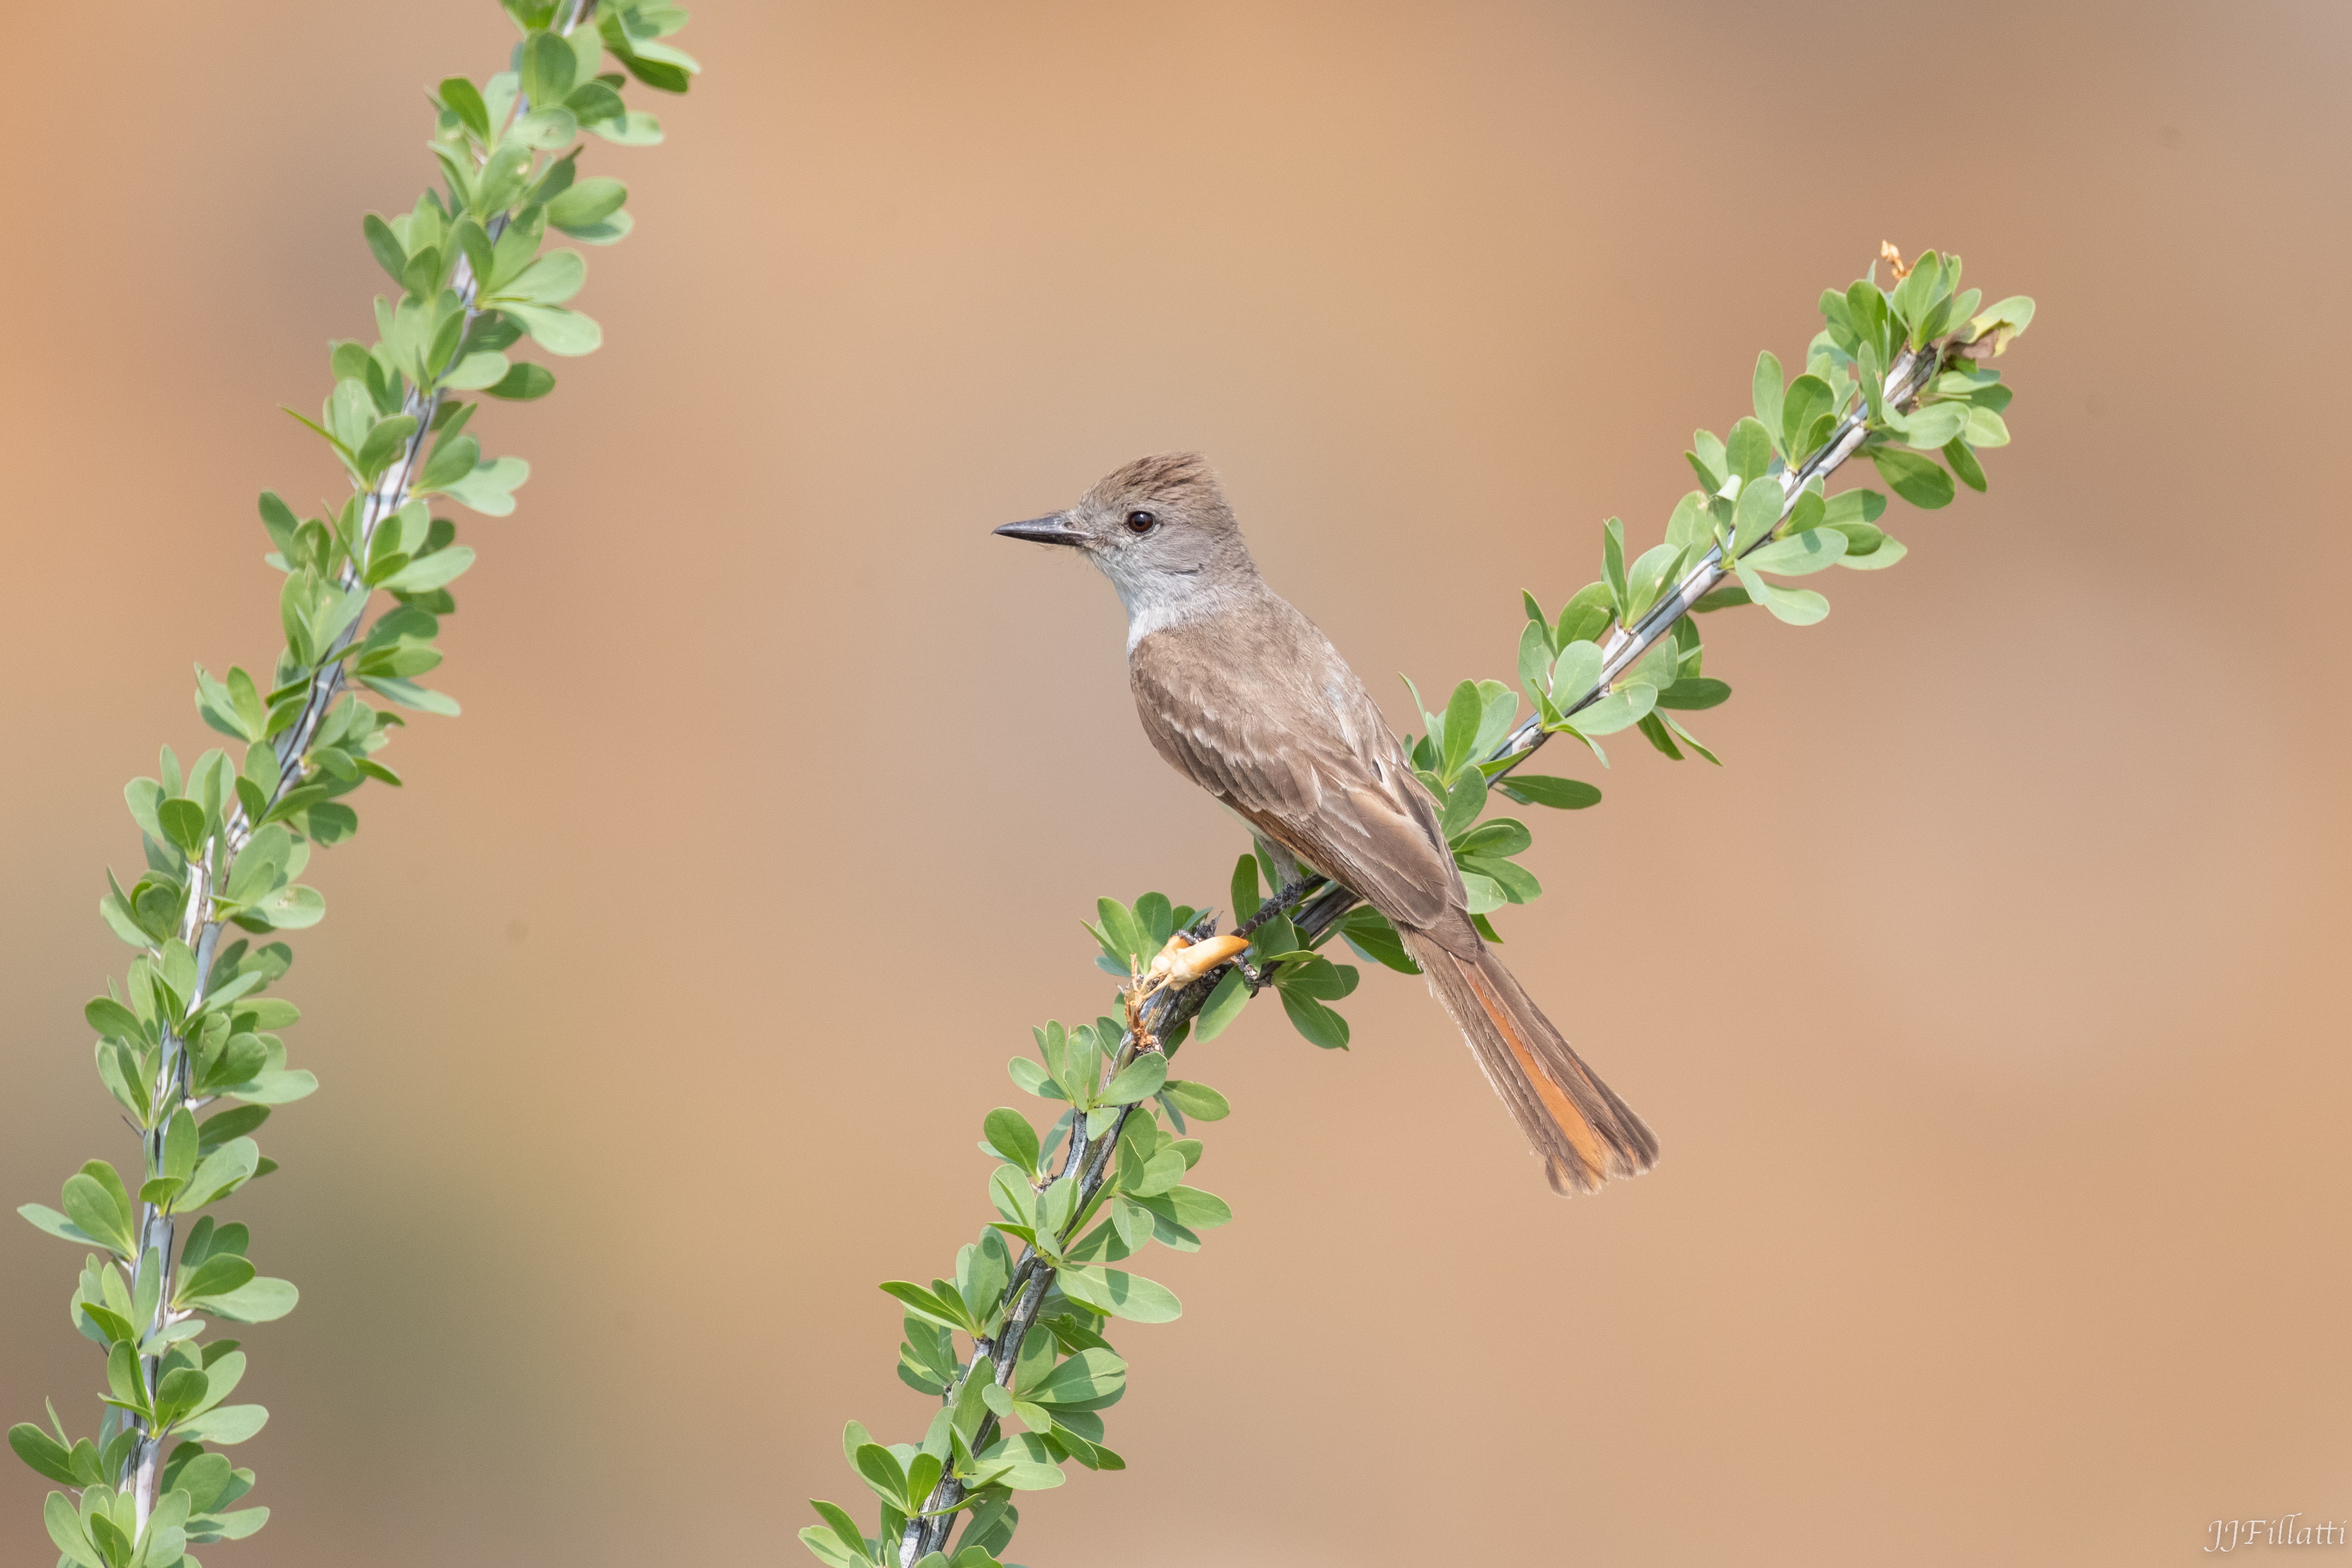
{"x": 1158, "y": 528}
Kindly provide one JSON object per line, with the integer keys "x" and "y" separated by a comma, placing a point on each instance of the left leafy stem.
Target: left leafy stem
{"x": 224, "y": 843}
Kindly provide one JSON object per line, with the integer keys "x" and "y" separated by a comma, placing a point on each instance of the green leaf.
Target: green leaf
{"x": 179, "y": 1144}
{"x": 1120, "y": 1294}
{"x": 1799, "y": 553}
{"x": 1368, "y": 930}
{"x": 427, "y": 572}
{"x": 220, "y": 1172}
{"x": 882, "y": 1472}
{"x": 1890, "y": 551}
{"x": 462, "y": 99}
{"x": 523, "y": 382}
{"x": 452, "y": 457}
{"x": 1223, "y": 1006}
{"x": 1693, "y": 692}
{"x": 827, "y": 1548}
{"x": 1197, "y": 1100}
{"x": 922, "y": 1474}
{"x": 275, "y": 1088}
{"x": 477, "y": 372}
{"x": 2003, "y": 321}
{"x": 1748, "y": 451}
{"x": 183, "y": 824}
{"x": 44, "y": 1454}
{"x": 1647, "y": 581}
{"x": 1809, "y": 399}
{"x": 558, "y": 330}
{"x": 638, "y": 129}
{"x": 489, "y": 488}
{"x": 589, "y": 102}
{"x": 216, "y": 1276}
{"x": 1964, "y": 464}
{"x": 408, "y": 694}
{"x": 382, "y": 243}
{"x": 1754, "y": 514}
{"x": 225, "y": 1425}
{"x": 1319, "y": 1025}
{"x": 1796, "y": 607}
{"x": 1500, "y": 712}
{"x": 1538, "y": 789}
{"x": 263, "y": 1301}
{"x": 1021, "y": 1462}
{"x": 65, "y": 1529}
{"x": 1464, "y": 712}
{"x": 292, "y": 908}
{"x": 1504, "y": 836}
{"x": 1852, "y": 506}
{"x": 1920, "y": 480}
{"x": 113, "y": 1020}
{"x": 100, "y": 1211}
{"x": 235, "y": 1526}
{"x": 1518, "y": 883}
{"x": 1930, "y": 427}
{"x": 43, "y": 1217}
{"x": 1535, "y": 657}
{"x": 386, "y": 440}
{"x": 178, "y": 1392}
{"x": 1088, "y": 1380}
{"x": 1621, "y": 709}
{"x": 1244, "y": 888}
{"x": 1138, "y": 1081}
{"x": 545, "y": 130}
{"x": 1011, "y": 1135}
{"x": 1190, "y": 1207}
{"x": 946, "y": 1310}
{"x": 1687, "y": 738}
{"x": 1768, "y": 398}
{"x": 1033, "y": 1079}
{"x": 587, "y": 203}
{"x": 1464, "y": 802}
{"x": 845, "y": 1532}
{"x": 1585, "y": 616}
{"x": 547, "y": 64}
{"x": 1613, "y": 562}
{"x": 1576, "y": 672}
{"x": 547, "y": 281}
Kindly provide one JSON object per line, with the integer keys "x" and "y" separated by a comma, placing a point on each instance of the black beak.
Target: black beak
{"x": 1054, "y": 530}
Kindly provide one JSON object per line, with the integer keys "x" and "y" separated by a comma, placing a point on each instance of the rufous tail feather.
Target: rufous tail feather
{"x": 1583, "y": 1133}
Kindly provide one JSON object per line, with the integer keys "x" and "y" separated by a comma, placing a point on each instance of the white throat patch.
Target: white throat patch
{"x": 1143, "y": 620}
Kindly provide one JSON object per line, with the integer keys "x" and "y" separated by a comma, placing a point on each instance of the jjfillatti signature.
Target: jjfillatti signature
{"x": 2287, "y": 1529}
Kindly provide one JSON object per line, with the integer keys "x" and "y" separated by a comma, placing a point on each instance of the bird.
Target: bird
{"x": 1244, "y": 696}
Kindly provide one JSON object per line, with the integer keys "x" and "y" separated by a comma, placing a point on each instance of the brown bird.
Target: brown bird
{"x": 1245, "y": 698}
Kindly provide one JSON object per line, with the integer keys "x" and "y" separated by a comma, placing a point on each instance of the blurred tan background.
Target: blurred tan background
{"x": 1986, "y": 1003}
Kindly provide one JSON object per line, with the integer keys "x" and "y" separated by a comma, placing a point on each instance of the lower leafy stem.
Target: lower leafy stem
{"x": 1087, "y": 1161}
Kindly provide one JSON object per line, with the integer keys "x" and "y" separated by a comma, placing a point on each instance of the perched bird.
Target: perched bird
{"x": 1244, "y": 697}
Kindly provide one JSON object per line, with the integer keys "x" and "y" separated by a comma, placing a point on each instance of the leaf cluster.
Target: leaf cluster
{"x": 188, "y": 1046}
{"x": 1012, "y": 1342}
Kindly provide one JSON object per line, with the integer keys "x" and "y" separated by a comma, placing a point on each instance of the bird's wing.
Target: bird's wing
{"x": 1280, "y": 728}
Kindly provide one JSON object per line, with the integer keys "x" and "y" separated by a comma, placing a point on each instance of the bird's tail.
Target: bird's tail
{"x": 1585, "y": 1134}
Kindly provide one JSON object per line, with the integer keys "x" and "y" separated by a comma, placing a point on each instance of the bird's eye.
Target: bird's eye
{"x": 1141, "y": 523}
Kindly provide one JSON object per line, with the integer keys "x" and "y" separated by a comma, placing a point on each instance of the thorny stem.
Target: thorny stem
{"x": 174, "y": 1088}
{"x": 1088, "y": 1162}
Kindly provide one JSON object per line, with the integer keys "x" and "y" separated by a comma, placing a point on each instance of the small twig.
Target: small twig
{"x": 1288, "y": 894}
